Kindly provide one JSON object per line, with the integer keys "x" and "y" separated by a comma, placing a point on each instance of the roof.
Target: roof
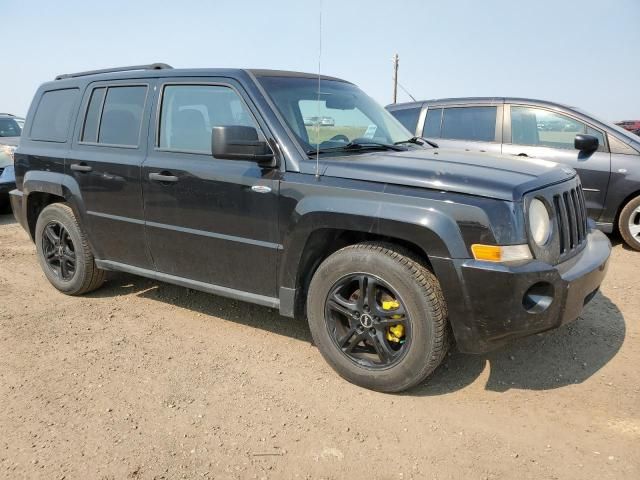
{"x": 164, "y": 70}
{"x": 477, "y": 100}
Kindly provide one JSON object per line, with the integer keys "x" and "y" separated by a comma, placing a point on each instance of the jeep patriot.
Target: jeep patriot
{"x": 391, "y": 247}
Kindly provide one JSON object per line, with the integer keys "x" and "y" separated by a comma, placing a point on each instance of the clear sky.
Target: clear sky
{"x": 582, "y": 52}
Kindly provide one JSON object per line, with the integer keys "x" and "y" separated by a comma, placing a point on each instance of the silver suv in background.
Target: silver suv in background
{"x": 10, "y": 131}
{"x": 606, "y": 157}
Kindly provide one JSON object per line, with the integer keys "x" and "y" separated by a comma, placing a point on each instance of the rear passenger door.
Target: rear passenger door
{"x": 475, "y": 128}
{"x": 208, "y": 219}
{"x": 106, "y": 158}
{"x": 533, "y": 131}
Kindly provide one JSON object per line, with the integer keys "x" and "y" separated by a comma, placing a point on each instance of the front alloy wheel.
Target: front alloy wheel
{"x": 378, "y": 317}
{"x": 629, "y": 223}
{"x": 367, "y": 321}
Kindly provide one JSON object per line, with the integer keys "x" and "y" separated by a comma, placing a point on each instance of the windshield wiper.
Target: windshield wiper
{"x": 418, "y": 141}
{"x": 360, "y": 144}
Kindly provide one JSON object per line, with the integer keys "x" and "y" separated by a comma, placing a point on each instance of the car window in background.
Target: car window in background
{"x": 189, "y": 112}
{"x": 53, "y": 115}
{"x": 469, "y": 123}
{"x": 9, "y": 127}
{"x": 539, "y": 127}
{"x": 408, "y": 117}
{"x": 432, "y": 123}
{"x": 122, "y": 116}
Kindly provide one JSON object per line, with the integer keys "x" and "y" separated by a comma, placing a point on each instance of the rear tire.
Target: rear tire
{"x": 394, "y": 273}
{"x": 64, "y": 253}
{"x": 629, "y": 223}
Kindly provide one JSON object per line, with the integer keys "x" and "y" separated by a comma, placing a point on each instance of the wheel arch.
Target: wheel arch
{"x": 41, "y": 189}
{"x": 317, "y": 235}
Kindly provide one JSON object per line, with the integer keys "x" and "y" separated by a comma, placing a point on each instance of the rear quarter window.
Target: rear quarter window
{"x": 53, "y": 115}
{"x": 408, "y": 117}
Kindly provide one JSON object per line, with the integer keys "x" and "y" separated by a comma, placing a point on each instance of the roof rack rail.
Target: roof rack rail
{"x": 150, "y": 66}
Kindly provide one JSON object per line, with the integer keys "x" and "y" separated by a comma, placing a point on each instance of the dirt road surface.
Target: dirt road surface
{"x": 146, "y": 380}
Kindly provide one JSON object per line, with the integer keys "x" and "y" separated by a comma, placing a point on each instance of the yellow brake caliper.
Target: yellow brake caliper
{"x": 395, "y": 333}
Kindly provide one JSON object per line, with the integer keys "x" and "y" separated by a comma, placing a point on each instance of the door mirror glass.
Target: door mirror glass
{"x": 238, "y": 142}
{"x": 586, "y": 143}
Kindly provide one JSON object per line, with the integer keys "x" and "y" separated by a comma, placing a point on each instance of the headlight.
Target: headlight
{"x": 539, "y": 222}
{"x": 8, "y": 150}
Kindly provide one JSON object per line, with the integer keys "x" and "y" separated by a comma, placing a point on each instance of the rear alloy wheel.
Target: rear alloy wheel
{"x": 59, "y": 251}
{"x": 629, "y": 223}
{"x": 64, "y": 253}
{"x": 378, "y": 316}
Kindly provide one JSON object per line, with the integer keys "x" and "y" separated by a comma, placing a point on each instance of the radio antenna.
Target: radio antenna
{"x": 318, "y": 103}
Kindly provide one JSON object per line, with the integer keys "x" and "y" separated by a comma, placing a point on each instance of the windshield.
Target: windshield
{"x": 9, "y": 128}
{"x": 341, "y": 114}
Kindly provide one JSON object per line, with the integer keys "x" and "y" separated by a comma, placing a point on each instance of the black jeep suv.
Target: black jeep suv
{"x": 210, "y": 179}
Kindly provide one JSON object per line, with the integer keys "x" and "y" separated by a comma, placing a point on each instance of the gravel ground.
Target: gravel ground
{"x": 146, "y": 380}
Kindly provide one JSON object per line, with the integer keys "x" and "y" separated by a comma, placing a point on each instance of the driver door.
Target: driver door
{"x": 208, "y": 219}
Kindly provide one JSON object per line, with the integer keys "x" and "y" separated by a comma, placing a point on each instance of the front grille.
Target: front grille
{"x": 567, "y": 208}
{"x": 571, "y": 215}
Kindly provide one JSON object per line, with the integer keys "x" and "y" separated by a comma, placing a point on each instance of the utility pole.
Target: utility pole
{"x": 396, "y": 61}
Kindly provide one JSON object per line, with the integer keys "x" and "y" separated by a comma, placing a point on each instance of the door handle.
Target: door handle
{"x": 163, "y": 177}
{"x": 522, "y": 155}
{"x": 81, "y": 167}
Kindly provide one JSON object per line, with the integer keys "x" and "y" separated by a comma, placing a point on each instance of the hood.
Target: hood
{"x": 12, "y": 141}
{"x": 502, "y": 177}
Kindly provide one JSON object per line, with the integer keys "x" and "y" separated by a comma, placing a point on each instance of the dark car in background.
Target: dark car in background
{"x": 606, "y": 157}
{"x": 10, "y": 131}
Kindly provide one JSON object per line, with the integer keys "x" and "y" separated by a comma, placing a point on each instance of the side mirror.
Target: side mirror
{"x": 586, "y": 143}
{"x": 236, "y": 142}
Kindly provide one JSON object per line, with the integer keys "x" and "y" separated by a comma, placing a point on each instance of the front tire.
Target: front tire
{"x": 378, "y": 316}
{"x": 629, "y": 223}
{"x": 64, "y": 253}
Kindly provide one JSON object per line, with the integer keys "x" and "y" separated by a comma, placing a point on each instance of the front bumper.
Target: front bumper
{"x": 490, "y": 304}
{"x": 6, "y": 187}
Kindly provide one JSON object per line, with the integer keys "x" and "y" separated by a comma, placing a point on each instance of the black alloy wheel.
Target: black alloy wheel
{"x": 368, "y": 321}
{"x": 59, "y": 251}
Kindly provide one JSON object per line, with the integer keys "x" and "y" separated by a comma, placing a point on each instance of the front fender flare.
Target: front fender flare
{"x": 433, "y": 231}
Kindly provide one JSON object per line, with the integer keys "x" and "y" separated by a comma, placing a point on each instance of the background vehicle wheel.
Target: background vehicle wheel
{"x": 64, "y": 253}
{"x": 629, "y": 223}
{"x": 378, "y": 316}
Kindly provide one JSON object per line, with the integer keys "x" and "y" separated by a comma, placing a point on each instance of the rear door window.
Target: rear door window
{"x": 122, "y": 115}
{"x": 408, "y": 117}
{"x": 469, "y": 123}
{"x": 53, "y": 115}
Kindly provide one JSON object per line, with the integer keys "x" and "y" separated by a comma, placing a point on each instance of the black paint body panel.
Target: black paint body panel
{"x": 241, "y": 229}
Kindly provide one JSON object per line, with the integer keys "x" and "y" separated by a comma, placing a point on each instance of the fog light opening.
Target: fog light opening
{"x": 538, "y": 298}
